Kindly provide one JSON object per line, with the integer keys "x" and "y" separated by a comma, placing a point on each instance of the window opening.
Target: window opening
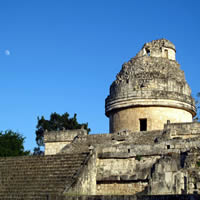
{"x": 143, "y": 124}
{"x": 148, "y": 52}
{"x": 185, "y": 185}
{"x": 166, "y": 53}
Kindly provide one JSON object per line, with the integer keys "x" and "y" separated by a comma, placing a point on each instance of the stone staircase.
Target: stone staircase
{"x": 38, "y": 177}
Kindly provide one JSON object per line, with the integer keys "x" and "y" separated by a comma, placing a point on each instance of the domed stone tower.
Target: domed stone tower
{"x": 149, "y": 90}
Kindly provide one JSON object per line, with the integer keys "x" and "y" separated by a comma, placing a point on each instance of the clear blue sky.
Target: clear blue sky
{"x": 62, "y": 55}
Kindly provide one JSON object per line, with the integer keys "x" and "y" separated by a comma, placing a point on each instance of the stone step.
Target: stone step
{"x": 33, "y": 177}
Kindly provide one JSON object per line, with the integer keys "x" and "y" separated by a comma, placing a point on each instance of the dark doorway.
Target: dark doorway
{"x": 147, "y": 51}
{"x": 185, "y": 185}
{"x": 143, "y": 124}
{"x": 166, "y": 53}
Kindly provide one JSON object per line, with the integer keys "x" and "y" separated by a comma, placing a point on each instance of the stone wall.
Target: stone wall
{"x": 176, "y": 174}
{"x": 56, "y": 140}
{"x": 129, "y": 118}
{"x": 166, "y": 167}
{"x": 127, "y": 175}
{"x": 154, "y": 162}
{"x": 183, "y": 130}
{"x": 52, "y": 148}
{"x": 86, "y": 182}
{"x": 159, "y": 48}
{"x": 170, "y": 53}
{"x": 120, "y": 187}
{"x": 127, "y": 169}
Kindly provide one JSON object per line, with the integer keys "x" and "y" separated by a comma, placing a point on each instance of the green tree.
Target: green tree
{"x": 56, "y": 122}
{"x": 12, "y": 144}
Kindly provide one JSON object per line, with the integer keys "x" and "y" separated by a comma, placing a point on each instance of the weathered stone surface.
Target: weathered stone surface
{"x": 165, "y": 158}
{"x": 56, "y": 140}
{"x": 144, "y": 162}
{"x": 152, "y": 78}
{"x": 38, "y": 176}
{"x": 162, "y": 159}
{"x": 183, "y": 130}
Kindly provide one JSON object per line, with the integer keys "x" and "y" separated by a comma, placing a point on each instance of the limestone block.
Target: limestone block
{"x": 198, "y": 185}
{"x": 191, "y": 185}
{"x": 52, "y": 148}
{"x": 168, "y": 177}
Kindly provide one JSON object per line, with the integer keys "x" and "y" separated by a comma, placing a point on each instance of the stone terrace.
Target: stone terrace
{"x": 83, "y": 143}
{"x": 36, "y": 177}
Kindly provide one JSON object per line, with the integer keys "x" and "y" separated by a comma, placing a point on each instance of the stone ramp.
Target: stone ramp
{"x": 37, "y": 177}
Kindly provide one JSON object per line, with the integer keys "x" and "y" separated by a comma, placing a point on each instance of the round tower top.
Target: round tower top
{"x": 151, "y": 78}
{"x": 160, "y": 43}
{"x": 159, "y": 48}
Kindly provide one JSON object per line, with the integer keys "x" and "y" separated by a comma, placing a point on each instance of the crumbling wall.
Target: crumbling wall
{"x": 138, "y": 163}
{"x": 120, "y": 187}
{"x": 123, "y": 175}
{"x": 169, "y": 166}
{"x": 159, "y": 48}
{"x": 183, "y": 130}
{"x": 176, "y": 174}
{"x": 150, "y": 81}
{"x": 56, "y": 140}
{"x": 52, "y": 148}
{"x": 86, "y": 181}
{"x": 123, "y": 171}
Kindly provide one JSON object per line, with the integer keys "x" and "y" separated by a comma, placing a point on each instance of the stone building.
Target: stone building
{"x": 153, "y": 145}
{"x": 149, "y": 90}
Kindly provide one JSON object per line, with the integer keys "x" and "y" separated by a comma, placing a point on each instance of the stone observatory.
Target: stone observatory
{"x": 149, "y": 91}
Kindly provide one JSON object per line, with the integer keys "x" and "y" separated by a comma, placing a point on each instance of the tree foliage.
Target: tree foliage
{"x": 12, "y": 144}
{"x": 56, "y": 122}
{"x": 37, "y": 151}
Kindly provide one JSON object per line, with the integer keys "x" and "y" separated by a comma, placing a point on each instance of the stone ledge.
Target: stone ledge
{"x": 63, "y": 136}
{"x": 135, "y": 101}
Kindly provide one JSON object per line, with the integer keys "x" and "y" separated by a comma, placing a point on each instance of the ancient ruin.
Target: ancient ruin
{"x": 149, "y": 84}
{"x": 153, "y": 147}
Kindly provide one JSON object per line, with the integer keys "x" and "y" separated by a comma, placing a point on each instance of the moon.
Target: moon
{"x": 7, "y": 52}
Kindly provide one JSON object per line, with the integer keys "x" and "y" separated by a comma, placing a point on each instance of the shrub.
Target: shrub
{"x": 138, "y": 157}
